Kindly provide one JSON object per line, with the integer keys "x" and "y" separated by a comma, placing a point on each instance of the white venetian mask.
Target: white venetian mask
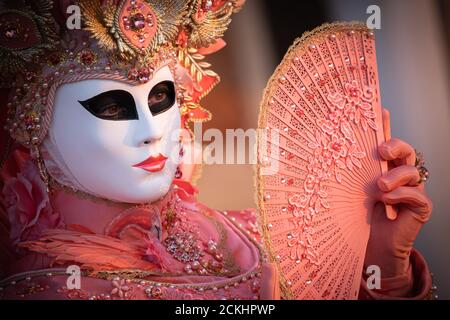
{"x": 116, "y": 140}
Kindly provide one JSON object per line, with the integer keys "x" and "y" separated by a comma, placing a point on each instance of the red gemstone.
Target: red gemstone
{"x": 144, "y": 75}
{"x": 137, "y": 21}
{"x": 133, "y": 74}
{"x": 87, "y": 58}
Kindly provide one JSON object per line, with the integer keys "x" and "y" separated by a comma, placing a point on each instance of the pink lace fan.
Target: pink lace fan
{"x": 318, "y": 161}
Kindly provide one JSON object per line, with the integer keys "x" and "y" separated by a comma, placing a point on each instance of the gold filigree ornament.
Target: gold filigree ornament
{"x": 134, "y": 28}
{"x": 209, "y": 25}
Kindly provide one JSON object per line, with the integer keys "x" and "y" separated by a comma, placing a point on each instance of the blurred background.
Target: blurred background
{"x": 413, "y": 47}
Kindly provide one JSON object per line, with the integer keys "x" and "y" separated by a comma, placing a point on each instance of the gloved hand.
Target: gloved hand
{"x": 391, "y": 241}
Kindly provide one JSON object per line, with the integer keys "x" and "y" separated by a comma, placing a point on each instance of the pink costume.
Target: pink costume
{"x": 205, "y": 254}
{"x": 225, "y": 259}
{"x": 53, "y": 217}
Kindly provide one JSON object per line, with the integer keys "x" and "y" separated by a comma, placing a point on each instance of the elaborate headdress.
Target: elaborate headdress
{"x": 126, "y": 40}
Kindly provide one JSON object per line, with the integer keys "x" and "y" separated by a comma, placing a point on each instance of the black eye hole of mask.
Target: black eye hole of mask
{"x": 161, "y": 98}
{"x": 115, "y": 105}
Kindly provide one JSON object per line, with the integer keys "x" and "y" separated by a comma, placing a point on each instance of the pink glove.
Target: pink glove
{"x": 391, "y": 242}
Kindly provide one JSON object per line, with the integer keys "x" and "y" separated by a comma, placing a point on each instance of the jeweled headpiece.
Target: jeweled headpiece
{"x": 125, "y": 40}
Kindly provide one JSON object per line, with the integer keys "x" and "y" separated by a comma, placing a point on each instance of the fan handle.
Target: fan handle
{"x": 391, "y": 212}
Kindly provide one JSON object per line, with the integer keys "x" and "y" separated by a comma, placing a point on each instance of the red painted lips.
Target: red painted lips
{"x": 152, "y": 164}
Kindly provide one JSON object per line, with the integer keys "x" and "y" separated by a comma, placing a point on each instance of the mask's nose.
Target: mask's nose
{"x": 148, "y": 130}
